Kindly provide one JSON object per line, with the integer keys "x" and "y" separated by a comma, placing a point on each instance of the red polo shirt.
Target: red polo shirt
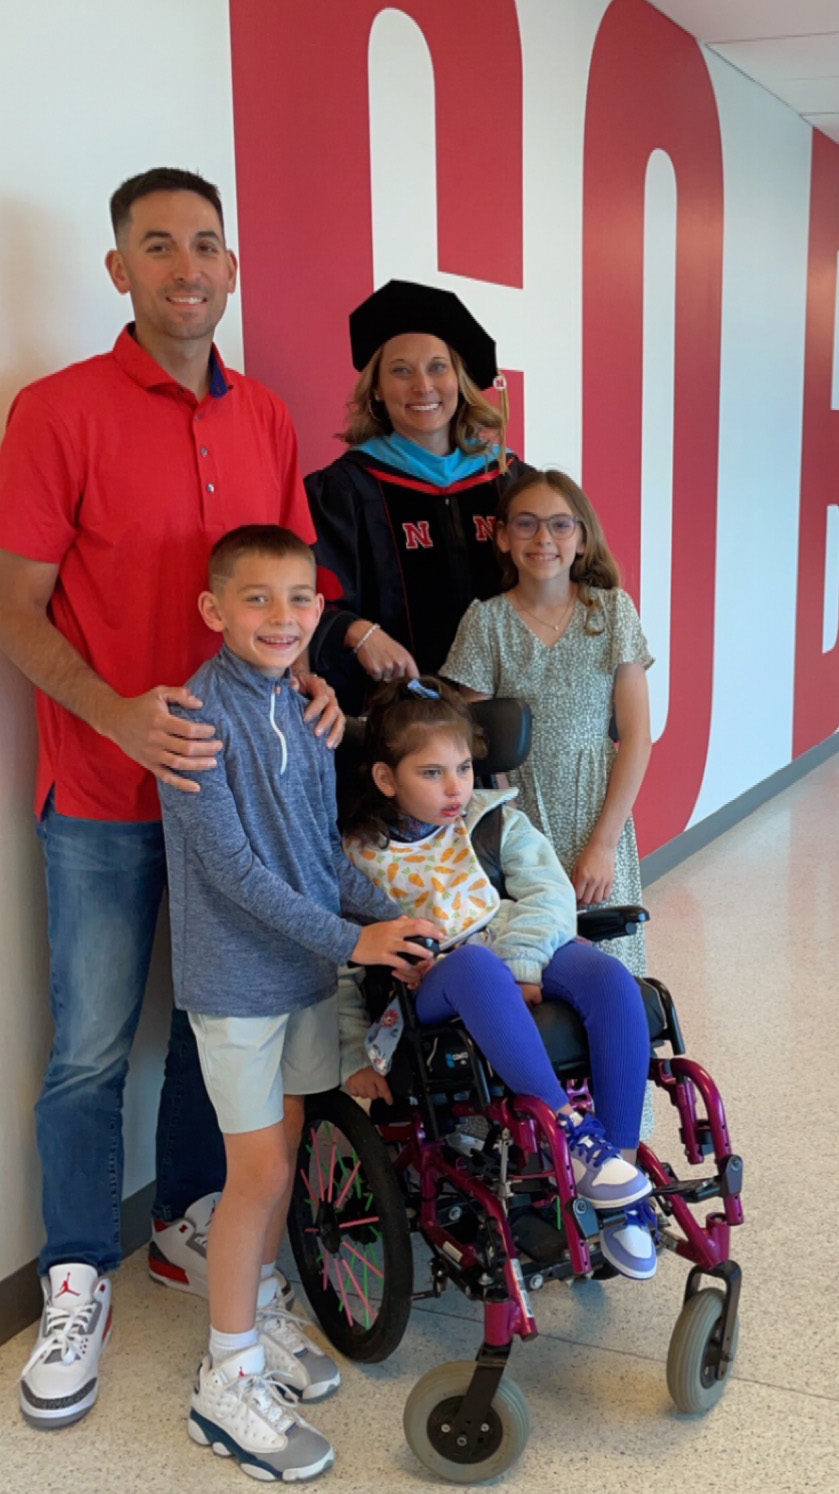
{"x": 115, "y": 473}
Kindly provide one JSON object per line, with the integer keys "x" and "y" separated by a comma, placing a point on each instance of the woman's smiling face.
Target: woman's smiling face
{"x": 417, "y": 384}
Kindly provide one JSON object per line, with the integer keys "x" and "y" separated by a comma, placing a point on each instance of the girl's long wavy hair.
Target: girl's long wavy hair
{"x": 596, "y": 567}
{"x": 474, "y": 417}
{"x": 398, "y": 722}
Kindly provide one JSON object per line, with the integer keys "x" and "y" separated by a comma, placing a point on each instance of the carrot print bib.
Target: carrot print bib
{"x": 439, "y": 877}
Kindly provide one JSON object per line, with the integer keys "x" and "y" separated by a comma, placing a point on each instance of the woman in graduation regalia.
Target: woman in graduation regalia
{"x": 404, "y": 517}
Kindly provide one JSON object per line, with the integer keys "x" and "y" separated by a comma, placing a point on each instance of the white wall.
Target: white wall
{"x": 766, "y": 165}
{"x": 89, "y": 94}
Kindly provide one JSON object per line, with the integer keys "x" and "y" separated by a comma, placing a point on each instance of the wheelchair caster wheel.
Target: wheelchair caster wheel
{"x": 429, "y": 1414}
{"x": 694, "y": 1353}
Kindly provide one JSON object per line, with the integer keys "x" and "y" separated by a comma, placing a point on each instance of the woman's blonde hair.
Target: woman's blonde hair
{"x": 474, "y": 416}
{"x": 596, "y": 567}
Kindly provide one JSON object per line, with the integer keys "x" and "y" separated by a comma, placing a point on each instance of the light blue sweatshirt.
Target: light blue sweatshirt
{"x": 260, "y": 893}
{"x": 537, "y": 916}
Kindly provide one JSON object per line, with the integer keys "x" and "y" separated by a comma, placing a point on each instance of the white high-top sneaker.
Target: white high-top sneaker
{"x": 178, "y": 1252}
{"x": 292, "y": 1356}
{"x": 241, "y": 1412}
{"x": 60, "y": 1383}
{"x": 601, "y": 1174}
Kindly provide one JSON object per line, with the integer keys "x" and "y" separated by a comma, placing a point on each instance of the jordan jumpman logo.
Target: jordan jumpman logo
{"x": 66, "y": 1289}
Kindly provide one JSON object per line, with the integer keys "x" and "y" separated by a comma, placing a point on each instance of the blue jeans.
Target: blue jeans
{"x": 475, "y": 985}
{"x": 105, "y": 882}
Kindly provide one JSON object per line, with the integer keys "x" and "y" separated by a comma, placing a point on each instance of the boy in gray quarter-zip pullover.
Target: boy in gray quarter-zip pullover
{"x": 260, "y": 892}
{"x": 264, "y": 906}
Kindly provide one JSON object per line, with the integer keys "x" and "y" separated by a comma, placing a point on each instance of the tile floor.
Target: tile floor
{"x": 746, "y": 934}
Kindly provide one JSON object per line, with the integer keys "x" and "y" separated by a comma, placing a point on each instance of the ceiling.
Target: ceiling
{"x": 790, "y": 47}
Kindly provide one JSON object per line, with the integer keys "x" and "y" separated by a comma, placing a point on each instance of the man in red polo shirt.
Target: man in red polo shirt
{"x": 117, "y": 475}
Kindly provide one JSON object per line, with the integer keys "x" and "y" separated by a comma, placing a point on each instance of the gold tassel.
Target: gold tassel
{"x": 500, "y": 383}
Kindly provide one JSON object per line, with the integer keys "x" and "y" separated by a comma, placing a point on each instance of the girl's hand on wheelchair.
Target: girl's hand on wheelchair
{"x": 531, "y": 994}
{"x": 366, "y": 1084}
{"x": 386, "y": 943}
{"x": 418, "y": 971}
{"x": 593, "y": 873}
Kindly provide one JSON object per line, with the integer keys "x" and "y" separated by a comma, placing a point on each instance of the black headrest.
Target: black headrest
{"x": 507, "y": 726}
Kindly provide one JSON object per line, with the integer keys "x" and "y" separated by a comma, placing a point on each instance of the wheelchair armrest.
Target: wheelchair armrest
{"x": 597, "y": 924}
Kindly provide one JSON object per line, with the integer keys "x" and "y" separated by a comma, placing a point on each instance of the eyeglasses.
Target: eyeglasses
{"x": 527, "y": 526}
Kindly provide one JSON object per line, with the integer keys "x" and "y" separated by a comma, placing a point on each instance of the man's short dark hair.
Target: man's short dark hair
{"x": 254, "y": 539}
{"x": 160, "y": 179}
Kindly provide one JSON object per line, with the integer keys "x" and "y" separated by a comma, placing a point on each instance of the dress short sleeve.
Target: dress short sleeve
{"x": 626, "y": 641}
{"x": 472, "y": 658}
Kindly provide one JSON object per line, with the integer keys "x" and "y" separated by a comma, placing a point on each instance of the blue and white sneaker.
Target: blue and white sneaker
{"x": 603, "y": 1177}
{"x": 241, "y": 1412}
{"x": 630, "y": 1247}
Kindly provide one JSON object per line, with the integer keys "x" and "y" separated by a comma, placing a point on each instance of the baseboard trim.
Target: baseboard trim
{"x": 20, "y": 1293}
{"x": 20, "y": 1300}
{"x": 696, "y": 837}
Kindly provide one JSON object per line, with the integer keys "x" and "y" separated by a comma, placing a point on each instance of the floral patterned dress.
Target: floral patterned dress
{"x": 569, "y": 686}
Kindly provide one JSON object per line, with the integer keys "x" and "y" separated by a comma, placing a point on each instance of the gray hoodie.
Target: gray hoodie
{"x": 260, "y": 893}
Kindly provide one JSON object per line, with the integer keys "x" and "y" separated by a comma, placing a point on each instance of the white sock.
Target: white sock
{"x": 222, "y": 1345}
{"x": 266, "y": 1272}
{"x": 266, "y": 1292}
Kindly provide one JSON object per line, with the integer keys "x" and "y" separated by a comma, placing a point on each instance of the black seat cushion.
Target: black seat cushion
{"x": 561, "y": 1030}
{"x": 564, "y": 1035}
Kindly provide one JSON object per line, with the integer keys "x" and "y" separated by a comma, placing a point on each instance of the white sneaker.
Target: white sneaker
{"x": 293, "y": 1357}
{"x": 631, "y": 1246}
{"x": 59, "y": 1383}
{"x": 241, "y": 1412}
{"x": 178, "y": 1252}
{"x": 601, "y": 1174}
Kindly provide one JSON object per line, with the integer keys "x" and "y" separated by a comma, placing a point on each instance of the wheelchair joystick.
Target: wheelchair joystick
{"x": 429, "y": 947}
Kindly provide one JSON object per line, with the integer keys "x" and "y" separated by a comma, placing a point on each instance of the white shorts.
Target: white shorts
{"x": 248, "y": 1063}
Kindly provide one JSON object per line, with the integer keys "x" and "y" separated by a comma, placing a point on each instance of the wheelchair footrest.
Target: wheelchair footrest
{"x": 542, "y": 1241}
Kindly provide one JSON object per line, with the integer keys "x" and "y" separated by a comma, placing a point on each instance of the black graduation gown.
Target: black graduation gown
{"x": 404, "y": 553}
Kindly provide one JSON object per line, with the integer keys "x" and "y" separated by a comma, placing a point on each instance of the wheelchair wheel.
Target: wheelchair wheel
{"x": 349, "y": 1231}
{"x": 691, "y": 1358}
{"x": 434, "y": 1402}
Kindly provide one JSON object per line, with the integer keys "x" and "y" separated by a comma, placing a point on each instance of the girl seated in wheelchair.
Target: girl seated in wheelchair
{"x": 411, "y": 834}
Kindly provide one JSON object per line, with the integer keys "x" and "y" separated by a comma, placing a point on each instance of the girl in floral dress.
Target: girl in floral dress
{"x": 564, "y": 637}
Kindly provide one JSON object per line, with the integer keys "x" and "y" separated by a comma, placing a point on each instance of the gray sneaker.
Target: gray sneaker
{"x": 178, "y": 1252}
{"x": 241, "y": 1412}
{"x": 292, "y": 1356}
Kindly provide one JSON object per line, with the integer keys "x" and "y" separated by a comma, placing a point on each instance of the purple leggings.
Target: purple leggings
{"x": 475, "y": 985}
